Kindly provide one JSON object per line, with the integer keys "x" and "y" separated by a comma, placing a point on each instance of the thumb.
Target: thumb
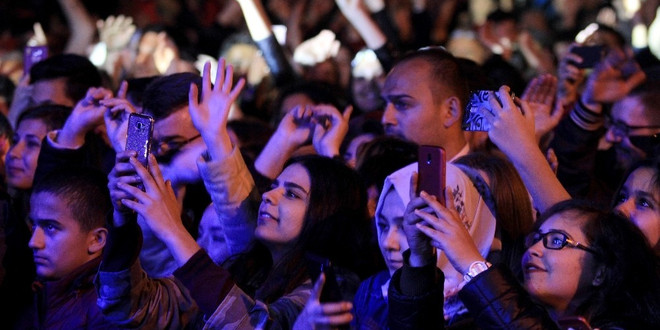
{"x": 318, "y": 288}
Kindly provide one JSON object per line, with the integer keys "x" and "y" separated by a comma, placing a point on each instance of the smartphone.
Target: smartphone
{"x": 139, "y": 134}
{"x": 590, "y": 55}
{"x": 317, "y": 265}
{"x": 32, "y": 55}
{"x": 574, "y": 323}
{"x": 431, "y": 169}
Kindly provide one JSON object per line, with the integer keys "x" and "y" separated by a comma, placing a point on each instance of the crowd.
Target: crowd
{"x": 281, "y": 190}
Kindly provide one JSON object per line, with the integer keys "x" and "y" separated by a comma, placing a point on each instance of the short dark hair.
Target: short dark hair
{"x": 52, "y": 115}
{"x": 166, "y": 94}
{"x": 79, "y": 72}
{"x": 446, "y": 73}
{"x": 85, "y": 191}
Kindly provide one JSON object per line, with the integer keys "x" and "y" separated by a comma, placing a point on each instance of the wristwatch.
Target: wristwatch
{"x": 475, "y": 269}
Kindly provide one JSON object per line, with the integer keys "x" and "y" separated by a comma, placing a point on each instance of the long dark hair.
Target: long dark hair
{"x": 514, "y": 214}
{"x": 629, "y": 295}
{"x": 335, "y": 226}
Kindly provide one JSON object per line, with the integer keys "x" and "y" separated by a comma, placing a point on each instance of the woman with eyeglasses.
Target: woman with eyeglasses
{"x": 582, "y": 265}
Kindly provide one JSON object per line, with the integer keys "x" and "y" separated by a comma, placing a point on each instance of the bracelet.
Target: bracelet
{"x": 475, "y": 269}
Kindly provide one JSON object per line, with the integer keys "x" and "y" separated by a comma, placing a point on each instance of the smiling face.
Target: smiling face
{"x": 283, "y": 208}
{"x": 391, "y": 237}
{"x": 639, "y": 201}
{"x": 561, "y": 278}
{"x": 22, "y": 157}
{"x": 58, "y": 243}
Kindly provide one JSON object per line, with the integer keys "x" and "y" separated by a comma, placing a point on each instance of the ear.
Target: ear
{"x": 96, "y": 240}
{"x": 599, "y": 277}
{"x": 453, "y": 111}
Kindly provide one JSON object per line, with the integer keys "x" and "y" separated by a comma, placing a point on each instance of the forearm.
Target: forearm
{"x": 257, "y": 21}
{"x": 80, "y": 24}
{"x": 207, "y": 282}
{"x": 540, "y": 180}
{"x": 415, "y": 298}
{"x": 272, "y": 158}
{"x": 372, "y": 35}
{"x": 232, "y": 189}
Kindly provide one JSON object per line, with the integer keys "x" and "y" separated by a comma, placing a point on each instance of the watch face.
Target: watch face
{"x": 476, "y": 268}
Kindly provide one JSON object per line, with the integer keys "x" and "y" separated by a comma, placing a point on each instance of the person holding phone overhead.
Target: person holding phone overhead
{"x": 316, "y": 205}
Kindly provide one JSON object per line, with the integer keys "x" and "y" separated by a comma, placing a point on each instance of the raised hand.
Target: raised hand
{"x": 116, "y": 117}
{"x": 540, "y": 96}
{"x": 570, "y": 78}
{"x": 116, "y": 32}
{"x": 447, "y": 232}
{"x": 612, "y": 79}
{"x": 210, "y": 112}
{"x": 317, "y": 315}
{"x": 330, "y": 129}
{"x": 158, "y": 205}
{"x": 511, "y": 126}
{"x": 85, "y": 117}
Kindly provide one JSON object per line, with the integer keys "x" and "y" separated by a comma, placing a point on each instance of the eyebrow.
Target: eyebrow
{"x": 389, "y": 97}
{"x": 42, "y": 222}
{"x": 289, "y": 184}
{"x": 646, "y": 194}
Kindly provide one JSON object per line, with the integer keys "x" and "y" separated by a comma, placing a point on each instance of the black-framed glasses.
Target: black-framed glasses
{"x": 167, "y": 147}
{"x": 555, "y": 240}
{"x": 622, "y": 130}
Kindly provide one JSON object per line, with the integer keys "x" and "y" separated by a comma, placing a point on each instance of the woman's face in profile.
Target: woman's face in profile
{"x": 558, "y": 277}
{"x": 639, "y": 201}
{"x": 283, "y": 208}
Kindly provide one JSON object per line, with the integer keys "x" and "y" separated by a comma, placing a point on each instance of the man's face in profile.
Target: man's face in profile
{"x": 58, "y": 242}
{"x": 411, "y": 112}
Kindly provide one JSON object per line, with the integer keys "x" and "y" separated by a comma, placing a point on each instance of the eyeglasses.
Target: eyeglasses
{"x": 555, "y": 240}
{"x": 172, "y": 146}
{"x": 622, "y": 130}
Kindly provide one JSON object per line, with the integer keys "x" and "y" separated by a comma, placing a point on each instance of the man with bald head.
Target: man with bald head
{"x": 425, "y": 94}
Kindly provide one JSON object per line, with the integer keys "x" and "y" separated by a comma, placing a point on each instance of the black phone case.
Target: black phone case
{"x": 590, "y": 55}
{"x": 318, "y": 265}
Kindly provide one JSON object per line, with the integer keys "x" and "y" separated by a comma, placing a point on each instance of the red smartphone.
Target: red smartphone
{"x": 574, "y": 323}
{"x": 431, "y": 169}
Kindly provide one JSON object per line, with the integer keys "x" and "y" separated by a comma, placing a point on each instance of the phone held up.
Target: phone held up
{"x": 32, "y": 55}
{"x": 475, "y": 111}
{"x": 317, "y": 265}
{"x": 139, "y": 135}
{"x": 590, "y": 55}
{"x": 431, "y": 169}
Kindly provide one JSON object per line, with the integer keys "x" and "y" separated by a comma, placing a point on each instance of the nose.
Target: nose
{"x": 391, "y": 242}
{"x": 37, "y": 239}
{"x": 16, "y": 150}
{"x": 536, "y": 249}
{"x": 389, "y": 118}
{"x": 626, "y": 208}
{"x": 270, "y": 196}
